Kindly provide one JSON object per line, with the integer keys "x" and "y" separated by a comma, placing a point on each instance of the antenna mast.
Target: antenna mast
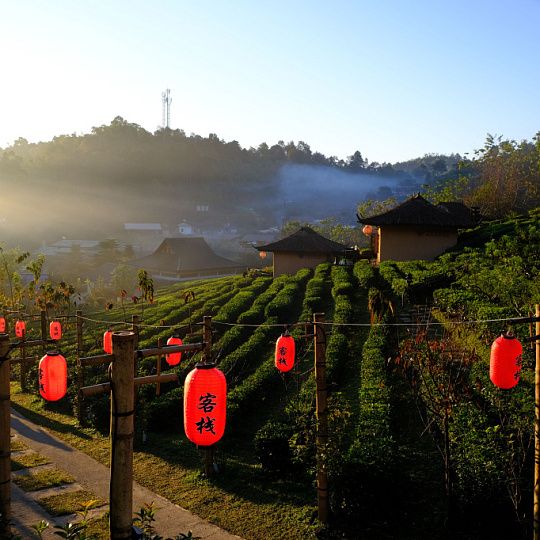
{"x": 166, "y": 101}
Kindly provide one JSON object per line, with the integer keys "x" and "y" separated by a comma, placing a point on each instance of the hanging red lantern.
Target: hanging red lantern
{"x": 107, "y": 341}
{"x": 205, "y": 405}
{"x": 262, "y": 254}
{"x": 55, "y": 330}
{"x": 52, "y": 376}
{"x": 367, "y": 230}
{"x": 173, "y": 359}
{"x": 2, "y": 325}
{"x": 284, "y": 357}
{"x": 20, "y": 329}
{"x": 505, "y": 361}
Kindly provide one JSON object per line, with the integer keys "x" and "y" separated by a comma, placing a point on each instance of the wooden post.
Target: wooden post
{"x": 5, "y": 439}
{"x": 322, "y": 416}
{"x": 43, "y": 325}
{"x": 206, "y": 358}
{"x": 159, "y": 360}
{"x": 122, "y": 395}
{"x": 537, "y": 430}
{"x": 80, "y": 369}
{"x": 23, "y": 367}
{"x": 135, "y": 328}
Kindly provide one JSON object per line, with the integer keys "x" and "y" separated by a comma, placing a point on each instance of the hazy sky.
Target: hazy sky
{"x": 393, "y": 79}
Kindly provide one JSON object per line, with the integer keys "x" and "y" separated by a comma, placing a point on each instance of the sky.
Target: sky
{"x": 392, "y": 79}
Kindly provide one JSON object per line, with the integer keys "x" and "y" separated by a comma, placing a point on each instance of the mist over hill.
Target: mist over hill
{"x": 90, "y": 185}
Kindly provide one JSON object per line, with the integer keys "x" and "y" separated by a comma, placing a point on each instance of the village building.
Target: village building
{"x": 303, "y": 249}
{"x": 417, "y": 229}
{"x": 68, "y": 247}
{"x": 185, "y": 229}
{"x": 186, "y": 257}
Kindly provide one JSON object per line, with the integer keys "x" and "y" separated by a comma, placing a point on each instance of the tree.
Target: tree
{"x": 146, "y": 285}
{"x": 355, "y": 162}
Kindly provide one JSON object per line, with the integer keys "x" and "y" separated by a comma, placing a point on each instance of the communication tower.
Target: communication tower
{"x": 166, "y": 101}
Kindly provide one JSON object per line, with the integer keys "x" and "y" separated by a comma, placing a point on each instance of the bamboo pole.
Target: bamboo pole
{"x": 322, "y": 417}
{"x": 206, "y": 358}
{"x": 5, "y": 439}
{"x": 537, "y": 430}
{"x": 121, "y": 485}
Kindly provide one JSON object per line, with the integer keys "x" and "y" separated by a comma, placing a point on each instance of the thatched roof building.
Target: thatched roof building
{"x": 186, "y": 257}
{"x": 417, "y": 229}
{"x": 303, "y": 249}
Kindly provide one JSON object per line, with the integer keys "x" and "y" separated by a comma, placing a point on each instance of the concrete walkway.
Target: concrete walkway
{"x": 93, "y": 476}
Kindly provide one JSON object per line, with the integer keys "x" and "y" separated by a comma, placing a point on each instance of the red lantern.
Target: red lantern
{"x": 505, "y": 361}
{"x": 2, "y": 325}
{"x": 367, "y": 230}
{"x": 284, "y": 357}
{"x": 55, "y": 330}
{"x": 107, "y": 341}
{"x": 20, "y": 329}
{"x": 205, "y": 405}
{"x": 262, "y": 254}
{"x": 173, "y": 359}
{"x": 52, "y": 376}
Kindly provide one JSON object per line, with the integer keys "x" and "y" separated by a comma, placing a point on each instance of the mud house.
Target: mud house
{"x": 303, "y": 249}
{"x": 417, "y": 229}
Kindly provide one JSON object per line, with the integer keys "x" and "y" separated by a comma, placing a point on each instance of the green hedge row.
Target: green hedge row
{"x": 364, "y": 273}
{"x": 283, "y": 305}
{"x": 230, "y": 311}
{"x": 374, "y": 444}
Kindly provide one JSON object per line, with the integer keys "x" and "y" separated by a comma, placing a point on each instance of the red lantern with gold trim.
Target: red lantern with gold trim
{"x": 367, "y": 230}
{"x": 285, "y": 350}
{"x": 2, "y": 325}
{"x": 205, "y": 405}
{"x": 107, "y": 341}
{"x": 173, "y": 359}
{"x": 505, "y": 361}
{"x": 20, "y": 329}
{"x": 55, "y": 330}
{"x": 52, "y": 376}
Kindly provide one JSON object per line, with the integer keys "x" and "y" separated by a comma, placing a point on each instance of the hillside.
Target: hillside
{"x": 446, "y": 469}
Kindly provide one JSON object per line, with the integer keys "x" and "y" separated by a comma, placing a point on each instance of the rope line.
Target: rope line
{"x": 326, "y": 323}
{"x": 140, "y": 325}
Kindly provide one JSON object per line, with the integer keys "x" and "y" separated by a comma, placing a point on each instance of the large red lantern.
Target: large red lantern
{"x": 20, "y": 329}
{"x": 55, "y": 330}
{"x": 367, "y": 230}
{"x": 205, "y": 405}
{"x": 173, "y": 359}
{"x": 52, "y": 376}
{"x": 2, "y": 325}
{"x": 284, "y": 357}
{"x": 505, "y": 361}
{"x": 107, "y": 341}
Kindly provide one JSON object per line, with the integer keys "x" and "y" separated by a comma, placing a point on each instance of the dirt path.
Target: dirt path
{"x": 93, "y": 476}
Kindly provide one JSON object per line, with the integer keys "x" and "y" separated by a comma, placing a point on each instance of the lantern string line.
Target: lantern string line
{"x": 326, "y": 323}
{"x": 140, "y": 325}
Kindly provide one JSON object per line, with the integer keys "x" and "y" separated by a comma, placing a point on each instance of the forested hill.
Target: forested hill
{"x": 121, "y": 172}
{"x": 89, "y": 185}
